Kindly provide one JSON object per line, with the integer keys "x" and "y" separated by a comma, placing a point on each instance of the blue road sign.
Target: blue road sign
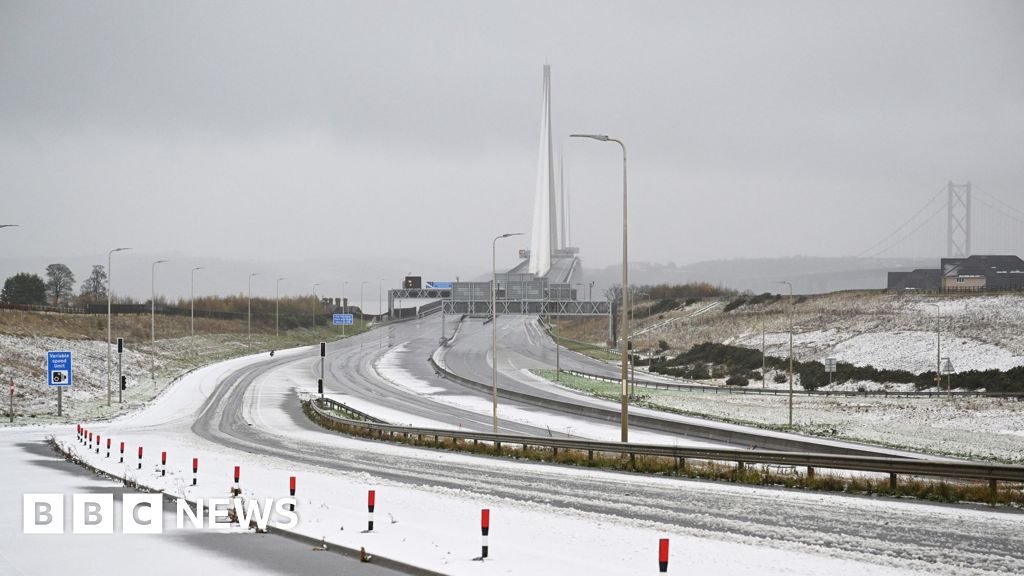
{"x": 58, "y": 368}
{"x": 439, "y": 285}
{"x": 342, "y": 319}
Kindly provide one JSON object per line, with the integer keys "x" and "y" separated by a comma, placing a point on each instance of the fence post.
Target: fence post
{"x": 892, "y": 481}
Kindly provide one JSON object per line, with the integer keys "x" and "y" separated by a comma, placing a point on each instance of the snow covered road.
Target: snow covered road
{"x": 545, "y": 519}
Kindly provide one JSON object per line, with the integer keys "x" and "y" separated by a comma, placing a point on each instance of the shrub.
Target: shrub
{"x": 699, "y": 372}
{"x": 736, "y": 380}
{"x": 812, "y": 375}
{"x": 780, "y": 378}
{"x": 734, "y": 304}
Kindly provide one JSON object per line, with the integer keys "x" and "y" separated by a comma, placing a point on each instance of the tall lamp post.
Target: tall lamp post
{"x": 625, "y": 282}
{"x": 110, "y": 277}
{"x": 361, "y": 284}
{"x": 787, "y": 283}
{"x": 192, "y": 303}
{"x": 380, "y": 308}
{"x": 494, "y": 327}
{"x": 314, "y": 305}
{"x": 152, "y": 300}
{"x": 938, "y": 347}
{"x": 277, "y": 308}
{"x": 344, "y": 304}
{"x": 250, "y": 306}
{"x": 152, "y": 311}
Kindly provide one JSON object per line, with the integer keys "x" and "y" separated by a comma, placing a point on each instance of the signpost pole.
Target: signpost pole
{"x": 12, "y": 400}
{"x": 60, "y": 400}
{"x": 120, "y": 351}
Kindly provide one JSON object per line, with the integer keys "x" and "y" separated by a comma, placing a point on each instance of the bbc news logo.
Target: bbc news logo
{"x": 144, "y": 513}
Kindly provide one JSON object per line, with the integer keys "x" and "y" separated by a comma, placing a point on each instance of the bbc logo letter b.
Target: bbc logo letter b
{"x": 43, "y": 513}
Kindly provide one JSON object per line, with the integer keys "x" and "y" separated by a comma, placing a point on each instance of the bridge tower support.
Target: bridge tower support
{"x": 958, "y": 221}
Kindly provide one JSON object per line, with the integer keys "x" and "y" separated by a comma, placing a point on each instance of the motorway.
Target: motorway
{"x": 523, "y": 345}
{"x": 938, "y": 539}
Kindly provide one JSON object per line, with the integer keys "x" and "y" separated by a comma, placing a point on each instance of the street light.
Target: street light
{"x": 152, "y": 311}
{"x": 344, "y": 304}
{"x": 250, "y": 306}
{"x": 192, "y": 303}
{"x": 314, "y": 305}
{"x": 361, "y": 301}
{"x": 790, "y": 349}
{"x": 8, "y": 225}
{"x": 380, "y": 308}
{"x": 110, "y": 277}
{"x": 938, "y": 346}
{"x": 152, "y": 300}
{"x": 277, "y": 308}
{"x": 625, "y": 283}
{"x": 494, "y": 328}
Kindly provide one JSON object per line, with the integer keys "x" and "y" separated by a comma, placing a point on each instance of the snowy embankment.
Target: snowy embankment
{"x": 437, "y": 527}
{"x": 975, "y": 428}
{"x": 914, "y": 351}
{"x": 148, "y": 369}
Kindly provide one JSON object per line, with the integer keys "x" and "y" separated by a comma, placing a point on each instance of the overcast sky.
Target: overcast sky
{"x": 285, "y": 131}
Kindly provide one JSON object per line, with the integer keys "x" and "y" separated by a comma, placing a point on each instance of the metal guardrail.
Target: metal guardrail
{"x": 777, "y": 392}
{"x": 890, "y": 465}
{"x": 340, "y": 407}
{"x": 693, "y": 429}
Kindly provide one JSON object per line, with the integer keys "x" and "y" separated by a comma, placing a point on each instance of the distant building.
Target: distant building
{"x": 924, "y": 279}
{"x": 975, "y": 273}
{"x": 982, "y": 273}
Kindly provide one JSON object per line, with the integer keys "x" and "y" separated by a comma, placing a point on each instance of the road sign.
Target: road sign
{"x": 947, "y": 368}
{"x": 58, "y": 368}
{"x": 830, "y": 364}
{"x": 342, "y": 319}
{"x": 439, "y": 285}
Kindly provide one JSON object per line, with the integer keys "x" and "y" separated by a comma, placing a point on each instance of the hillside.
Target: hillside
{"x": 895, "y": 331}
{"x": 25, "y": 338}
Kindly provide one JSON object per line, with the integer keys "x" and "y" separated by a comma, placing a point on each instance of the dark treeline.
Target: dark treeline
{"x": 729, "y": 360}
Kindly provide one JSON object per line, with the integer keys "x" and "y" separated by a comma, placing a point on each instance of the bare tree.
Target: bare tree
{"x": 94, "y": 288}
{"x": 60, "y": 284}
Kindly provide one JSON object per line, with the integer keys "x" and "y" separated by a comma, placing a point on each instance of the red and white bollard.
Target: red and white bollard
{"x": 371, "y": 501}
{"x": 90, "y": 440}
{"x": 108, "y": 447}
{"x": 140, "y": 457}
{"x": 238, "y": 471}
{"x": 78, "y": 429}
{"x": 163, "y": 463}
{"x": 291, "y": 490}
{"x": 195, "y": 470}
{"x": 485, "y": 527}
{"x": 98, "y": 443}
{"x": 663, "y": 555}
{"x": 122, "y": 452}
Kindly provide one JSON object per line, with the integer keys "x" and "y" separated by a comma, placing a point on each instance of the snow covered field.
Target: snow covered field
{"x": 885, "y": 330}
{"x": 976, "y": 428}
{"x": 437, "y": 527}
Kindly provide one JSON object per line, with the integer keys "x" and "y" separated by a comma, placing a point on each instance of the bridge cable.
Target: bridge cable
{"x": 904, "y": 225}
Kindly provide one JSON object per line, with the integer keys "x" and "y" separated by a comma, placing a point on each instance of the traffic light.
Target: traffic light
{"x": 124, "y": 382}
{"x": 320, "y": 386}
